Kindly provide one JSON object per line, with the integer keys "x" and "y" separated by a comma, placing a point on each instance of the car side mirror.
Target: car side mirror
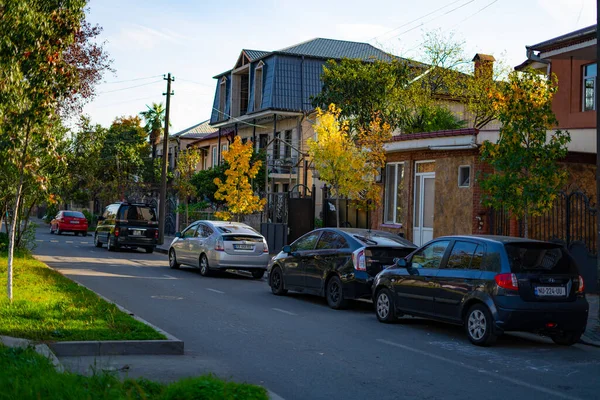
{"x": 177, "y": 234}
{"x": 287, "y": 249}
{"x": 400, "y": 262}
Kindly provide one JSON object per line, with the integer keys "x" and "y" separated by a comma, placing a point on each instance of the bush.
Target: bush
{"x": 92, "y": 219}
{"x": 51, "y": 211}
{"x": 3, "y": 241}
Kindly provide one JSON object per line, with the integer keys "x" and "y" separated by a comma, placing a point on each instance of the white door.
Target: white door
{"x": 424, "y": 206}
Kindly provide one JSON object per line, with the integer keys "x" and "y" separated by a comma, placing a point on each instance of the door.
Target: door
{"x": 197, "y": 243}
{"x": 415, "y": 286}
{"x": 183, "y": 245}
{"x": 329, "y": 254}
{"x": 424, "y": 203}
{"x": 458, "y": 278}
{"x": 303, "y": 249}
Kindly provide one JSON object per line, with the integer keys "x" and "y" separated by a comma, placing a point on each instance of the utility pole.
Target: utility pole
{"x": 162, "y": 205}
{"x": 597, "y": 145}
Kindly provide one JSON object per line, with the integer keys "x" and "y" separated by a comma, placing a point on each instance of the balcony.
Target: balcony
{"x": 282, "y": 165}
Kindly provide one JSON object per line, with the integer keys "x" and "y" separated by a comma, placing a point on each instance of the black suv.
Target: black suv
{"x": 127, "y": 225}
{"x": 488, "y": 284}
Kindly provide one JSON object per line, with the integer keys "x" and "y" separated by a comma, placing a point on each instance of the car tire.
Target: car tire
{"x": 97, "y": 241}
{"x": 149, "y": 249}
{"x": 51, "y": 230}
{"x": 276, "y": 282}
{"x": 479, "y": 325}
{"x": 173, "y": 264}
{"x": 258, "y": 274}
{"x": 58, "y": 231}
{"x": 111, "y": 246}
{"x": 204, "y": 267}
{"x": 566, "y": 338}
{"x": 384, "y": 306}
{"x": 334, "y": 293}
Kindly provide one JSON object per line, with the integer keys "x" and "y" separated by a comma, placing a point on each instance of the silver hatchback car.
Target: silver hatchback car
{"x": 220, "y": 245}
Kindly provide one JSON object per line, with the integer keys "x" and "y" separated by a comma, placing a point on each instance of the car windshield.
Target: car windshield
{"x": 73, "y": 214}
{"x": 539, "y": 258}
{"x": 137, "y": 213}
{"x": 235, "y": 229}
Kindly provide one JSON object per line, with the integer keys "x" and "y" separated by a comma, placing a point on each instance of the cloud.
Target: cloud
{"x": 143, "y": 37}
{"x": 359, "y": 32}
{"x": 570, "y": 14}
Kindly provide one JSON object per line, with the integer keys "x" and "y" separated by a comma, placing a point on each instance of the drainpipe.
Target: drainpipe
{"x": 534, "y": 57}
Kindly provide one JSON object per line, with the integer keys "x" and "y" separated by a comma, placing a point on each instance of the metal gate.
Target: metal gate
{"x": 351, "y": 216}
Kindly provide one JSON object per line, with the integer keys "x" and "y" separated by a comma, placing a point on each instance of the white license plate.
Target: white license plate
{"x": 137, "y": 233}
{"x": 74, "y": 222}
{"x": 243, "y": 247}
{"x": 550, "y": 291}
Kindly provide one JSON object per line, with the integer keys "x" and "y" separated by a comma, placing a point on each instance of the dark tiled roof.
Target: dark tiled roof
{"x": 429, "y": 135}
{"x": 256, "y": 54}
{"x": 337, "y": 49}
{"x": 197, "y": 131}
{"x": 583, "y": 34}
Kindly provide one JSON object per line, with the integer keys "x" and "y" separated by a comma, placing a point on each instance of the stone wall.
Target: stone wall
{"x": 453, "y": 204}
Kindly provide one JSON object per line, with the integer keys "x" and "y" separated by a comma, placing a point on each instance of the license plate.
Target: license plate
{"x": 550, "y": 291}
{"x": 137, "y": 233}
{"x": 243, "y": 247}
{"x": 74, "y": 222}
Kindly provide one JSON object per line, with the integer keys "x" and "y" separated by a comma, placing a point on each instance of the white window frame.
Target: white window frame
{"x": 258, "y": 85}
{"x": 594, "y": 78}
{"x": 222, "y": 98}
{"x": 460, "y": 167}
{"x": 214, "y": 156}
{"x": 386, "y": 205}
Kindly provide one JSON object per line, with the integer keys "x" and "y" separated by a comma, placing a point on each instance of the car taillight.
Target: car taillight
{"x": 507, "y": 281}
{"x": 156, "y": 234}
{"x": 359, "y": 261}
{"x": 116, "y": 231}
{"x": 219, "y": 245}
{"x": 581, "y": 287}
{"x": 265, "y": 246}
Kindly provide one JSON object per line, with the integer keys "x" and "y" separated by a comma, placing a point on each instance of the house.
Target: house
{"x": 266, "y": 98}
{"x": 181, "y": 140}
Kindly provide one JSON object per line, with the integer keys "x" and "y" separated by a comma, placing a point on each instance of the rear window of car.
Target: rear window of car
{"x": 137, "y": 213}
{"x": 235, "y": 229}
{"x": 539, "y": 258}
{"x": 73, "y": 214}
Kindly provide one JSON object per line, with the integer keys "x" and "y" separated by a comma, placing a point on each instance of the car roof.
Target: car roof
{"x": 352, "y": 232}
{"x": 494, "y": 238}
{"x": 223, "y": 224}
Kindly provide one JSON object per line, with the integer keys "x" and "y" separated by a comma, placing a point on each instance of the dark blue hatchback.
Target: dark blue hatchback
{"x": 489, "y": 284}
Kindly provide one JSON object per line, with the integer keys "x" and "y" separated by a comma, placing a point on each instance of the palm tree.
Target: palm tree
{"x": 155, "y": 120}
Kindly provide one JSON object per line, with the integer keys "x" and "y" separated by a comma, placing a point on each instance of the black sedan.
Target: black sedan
{"x": 339, "y": 264}
{"x": 490, "y": 285}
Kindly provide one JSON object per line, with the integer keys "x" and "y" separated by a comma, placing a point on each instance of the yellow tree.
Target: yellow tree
{"x": 236, "y": 191}
{"x": 336, "y": 158}
{"x": 186, "y": 168}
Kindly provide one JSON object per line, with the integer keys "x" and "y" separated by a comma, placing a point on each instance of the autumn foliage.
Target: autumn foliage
{"x": 237, "y": 191}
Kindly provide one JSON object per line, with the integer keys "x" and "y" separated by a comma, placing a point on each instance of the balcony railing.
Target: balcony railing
{"x": 282, "y": 165}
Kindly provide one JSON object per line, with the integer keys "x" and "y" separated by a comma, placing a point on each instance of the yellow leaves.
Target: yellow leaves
{"x": 236, "y": 191}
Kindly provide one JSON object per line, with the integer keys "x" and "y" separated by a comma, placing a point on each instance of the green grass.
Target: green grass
{"x": 50, "y": 307}
{"x": 27, "y": 375}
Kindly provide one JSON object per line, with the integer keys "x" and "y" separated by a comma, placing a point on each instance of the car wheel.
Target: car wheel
{"x": 257, "y": 274}
{"x": 58, "y": 231}
{"x": 204, "y": 268}
{"x": 111, "y": 246}
{"x": 97, "y": 241}
{"x": 479, "y": 325}
{"x": 384, "y": 306}
{"x": 173, "y": 264}
{"x": 51, "y": 230}
{"x": 149, "y": 249}
{"x": 335, "y": 293}
{"x": 276, "y": 282}
{"x": 566, "y": 338}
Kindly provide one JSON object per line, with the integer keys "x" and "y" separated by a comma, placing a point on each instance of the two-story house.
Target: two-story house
{"x": 182, "y": 140}
{"x": 266, "y": 98}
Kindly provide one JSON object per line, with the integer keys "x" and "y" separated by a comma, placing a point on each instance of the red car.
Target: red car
{"x": 69, "y": 221}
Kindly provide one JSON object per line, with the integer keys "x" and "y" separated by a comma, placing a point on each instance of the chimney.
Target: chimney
{"x": 484, "y": 65}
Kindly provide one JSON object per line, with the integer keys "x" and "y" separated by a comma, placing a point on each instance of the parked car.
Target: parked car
{"x": 220, "y": 245}
{"x": 488, "y": 284}
{"x": 69, "y": 221}
{"x": 132, "y": 225}
{"x": 339, "y": 264}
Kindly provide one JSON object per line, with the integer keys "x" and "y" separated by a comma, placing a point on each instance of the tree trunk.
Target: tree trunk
{"x": 11, "y": 240}
{"x": 337, "y": 207}
{"x": 187, "y": 221}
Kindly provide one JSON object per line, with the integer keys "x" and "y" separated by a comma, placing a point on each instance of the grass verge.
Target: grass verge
{"x": 27, "y": 375}
{"x": 48, "y": 306}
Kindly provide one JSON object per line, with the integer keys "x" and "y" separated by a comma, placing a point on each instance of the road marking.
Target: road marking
{"x": 69, "y": 241}
{"x": 39, "y": 240}
{"x": 169, "y": 276}
{"x": 274, "y": 396}
{"x": 481, "y": 371}
{"x": 84, "y": 242}
{"x": 215, "y": 290}
{"x": 54, "y": 241}
{"x": 284, "y": 311}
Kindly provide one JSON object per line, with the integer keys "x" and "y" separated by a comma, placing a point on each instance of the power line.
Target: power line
{"x": 475, "y": 13}
{"x": 129, "y": 87}
{"x": 197, "y": 83}
{"x": 238, "y": 120}
{"x": 126, "y": 101}
{"x": 133, "y": 80}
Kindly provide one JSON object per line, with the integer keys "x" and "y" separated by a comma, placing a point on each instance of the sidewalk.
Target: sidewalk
{"x": 592, "y": 333}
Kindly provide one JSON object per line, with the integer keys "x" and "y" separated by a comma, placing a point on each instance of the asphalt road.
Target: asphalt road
{"x": 300, "y": 349}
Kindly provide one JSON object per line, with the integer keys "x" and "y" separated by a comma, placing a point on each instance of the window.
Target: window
{"x": 589, "y": 86}
{"x": 258, "y": 86}
{"x": 111, "y": 211}
{"x": 331, "y": 240}
{"x": 214, "y": 156}
{"x": 73, "y": 214}
{"x": 461, "y": 255}
{"x": 306, "y": 242}
{"x": 204, "y": 231}
{"x": 288, "y": 141}
{"x": 430, "y": 256}
{"x": 137, "y": 213}
{"x": 394, "y": 191}
{"x": 277, "y": 145}
{"x": 464, "y": 176}
{"x": 263, "y": 140}
{"x": 224, "y": 148}
{"x": 190, "y": 231}
{"x": 222, "y": 98}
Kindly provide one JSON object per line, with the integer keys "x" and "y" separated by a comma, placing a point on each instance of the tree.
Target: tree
{"x": 236, "y": 190}
{"x": 204, "y": 181}
{"x": 186, "y": 167}
{"x": 155, "y": 121}
{"x": 335, "y": 156}
{"x": 526, "y": 178}
{"x": 49, "y": 65}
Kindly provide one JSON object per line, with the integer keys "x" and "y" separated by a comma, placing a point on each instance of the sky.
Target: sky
{"x": 196, "y": 40}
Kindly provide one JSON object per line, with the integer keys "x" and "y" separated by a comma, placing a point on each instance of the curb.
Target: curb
{"x": 41, "y": 349}
{"x": 161, "y": 250}
{"x": 170, "y": 346}
{"x": 589, "y": 342}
